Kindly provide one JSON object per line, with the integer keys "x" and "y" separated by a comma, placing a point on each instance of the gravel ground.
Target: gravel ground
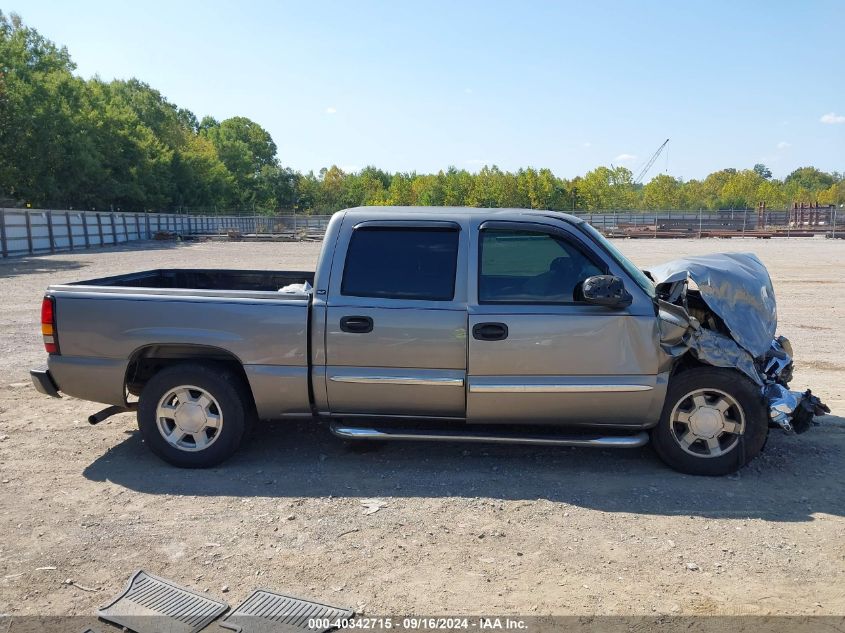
{"x": 458, "y": 530}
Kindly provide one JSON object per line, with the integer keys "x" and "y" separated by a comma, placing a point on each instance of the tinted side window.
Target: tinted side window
{"x": 398, "y": 263}
{"x": 528, "y": 266}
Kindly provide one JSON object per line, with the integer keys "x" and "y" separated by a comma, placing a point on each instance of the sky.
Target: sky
{"x": 419, "y": 86}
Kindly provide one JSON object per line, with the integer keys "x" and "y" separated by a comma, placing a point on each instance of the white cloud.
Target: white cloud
{"x": 624, "y": 158}
{"x": 331, "y": 110}
{"x": 468, "y": 91}
{"x": 586, "y": 144}
{"x": 784, "y": 145}
{"x": 832, "y": 118}
{"x": 475, "y": 161}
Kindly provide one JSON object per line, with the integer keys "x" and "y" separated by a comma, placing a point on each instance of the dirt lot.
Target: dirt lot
{"x": 463, "y": 531}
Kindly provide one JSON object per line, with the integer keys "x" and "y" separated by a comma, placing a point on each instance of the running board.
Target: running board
{"x": 485, "y": 437}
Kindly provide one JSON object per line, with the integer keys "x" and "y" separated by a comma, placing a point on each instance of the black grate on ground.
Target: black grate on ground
{"x": 268, "y": 612}
{"x": 150, "y": 605}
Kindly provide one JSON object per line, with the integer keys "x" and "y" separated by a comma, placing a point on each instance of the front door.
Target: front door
{"x": 537, "y": 352}
{"x": 396, "y": 321}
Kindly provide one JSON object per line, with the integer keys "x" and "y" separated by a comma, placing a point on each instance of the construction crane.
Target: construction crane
{"x": 650, "y": 162}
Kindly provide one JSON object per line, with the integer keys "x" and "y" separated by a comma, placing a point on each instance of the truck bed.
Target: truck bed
{"x": 230, "y": 314}
{"x": 204, "y": 279}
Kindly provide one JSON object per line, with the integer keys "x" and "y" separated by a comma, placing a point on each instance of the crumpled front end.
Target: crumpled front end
{"x": 721, "y": 309}
{"x": 790, "y": 410}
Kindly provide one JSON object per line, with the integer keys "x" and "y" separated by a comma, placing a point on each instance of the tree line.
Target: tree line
{"x": 68, "y": 142}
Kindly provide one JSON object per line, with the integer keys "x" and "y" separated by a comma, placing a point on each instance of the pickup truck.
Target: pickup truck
{"x": 451, "y": 324}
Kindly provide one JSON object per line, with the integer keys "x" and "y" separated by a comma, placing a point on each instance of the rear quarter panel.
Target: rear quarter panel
{"x": 99, "y": 333}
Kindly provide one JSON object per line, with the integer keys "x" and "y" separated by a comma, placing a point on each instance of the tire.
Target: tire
{"x": 195, "y": 415}
{"x": 714, "y": 422}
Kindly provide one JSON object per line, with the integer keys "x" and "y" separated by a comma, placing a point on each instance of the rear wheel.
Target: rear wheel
{"x": 193, "y": 415}
{"x": 713, "y": 422}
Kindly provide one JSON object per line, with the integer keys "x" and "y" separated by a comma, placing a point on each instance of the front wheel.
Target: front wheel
{"x": 194, "y": 415}
{"x": 713, "y": 422}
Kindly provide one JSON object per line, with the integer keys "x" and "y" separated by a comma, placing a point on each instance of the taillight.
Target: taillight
{"x": 48, "y": 325}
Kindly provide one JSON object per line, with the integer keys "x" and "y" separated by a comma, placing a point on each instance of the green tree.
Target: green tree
{"x": 457, "y": 186}
{"x": 429, "y": 189}
{"x": 772, "y": 192}
{"x": 332, "y": 191}
{"x": 401, "y": 192}
{"x": 606, "y": 188}
{"x": 39, "y": 101}
{"x": 248, "y": 151}
{"x": 763, "y": 171}
{"x": 740, "y": 189}
{"x": 835, "y": 194}
{"x": 711, "y": 189}
{"x": 809, "y": 179}
{"x": 663, "y": 192}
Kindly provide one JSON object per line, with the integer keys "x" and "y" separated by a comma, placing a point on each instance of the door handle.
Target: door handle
{"x": 356, "y": 324}
{"x": 490, "y": 331}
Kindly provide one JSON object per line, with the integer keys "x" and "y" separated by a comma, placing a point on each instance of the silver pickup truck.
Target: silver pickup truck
{"x": 453, "y": 324}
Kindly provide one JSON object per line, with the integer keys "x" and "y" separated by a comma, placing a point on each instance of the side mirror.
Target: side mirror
{"x": 606, "y": 290}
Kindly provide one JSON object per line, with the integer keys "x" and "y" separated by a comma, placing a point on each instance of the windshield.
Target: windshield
{"x": 636, "y": 274}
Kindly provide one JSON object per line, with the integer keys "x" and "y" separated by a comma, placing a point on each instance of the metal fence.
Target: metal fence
{"x": 729, "y": 220}
{"x": 40, "y": 231}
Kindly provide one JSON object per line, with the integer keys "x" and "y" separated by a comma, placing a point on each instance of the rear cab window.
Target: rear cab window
{"x": 411, "y": 263}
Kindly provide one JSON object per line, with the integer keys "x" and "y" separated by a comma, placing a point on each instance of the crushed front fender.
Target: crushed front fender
{"x": 735, "y": 302}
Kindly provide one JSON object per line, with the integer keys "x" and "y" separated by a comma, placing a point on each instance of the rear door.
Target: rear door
{"x": 396, "y": 321}
{"x": 537, "y": 352}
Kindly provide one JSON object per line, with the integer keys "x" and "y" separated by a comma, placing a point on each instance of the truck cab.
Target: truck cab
{"x": 480, "y": 316}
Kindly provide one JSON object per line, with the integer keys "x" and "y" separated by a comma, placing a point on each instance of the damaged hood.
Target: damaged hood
{"x": 737, "y": 288}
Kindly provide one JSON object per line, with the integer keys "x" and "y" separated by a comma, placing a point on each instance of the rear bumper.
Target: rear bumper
{"x": 43, "y": 382}
{"x": 87, "y": 378}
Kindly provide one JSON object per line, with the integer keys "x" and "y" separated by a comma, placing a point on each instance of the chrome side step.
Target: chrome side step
{"x": 486, "y": 437}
